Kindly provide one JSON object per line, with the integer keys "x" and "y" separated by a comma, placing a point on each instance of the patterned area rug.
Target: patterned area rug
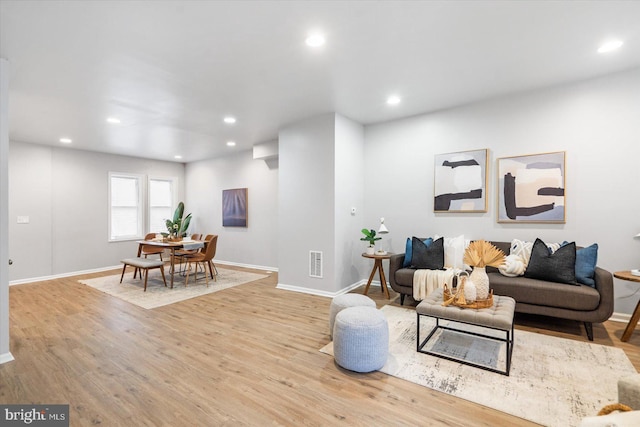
{"x": 157, "y": 295}
{"x": 553, "y": 381}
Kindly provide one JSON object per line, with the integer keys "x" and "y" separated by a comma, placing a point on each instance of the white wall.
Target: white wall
{"x": 64, "y": 193}
{"x": 306, "y": 202}
{"x": 5, "y": 355}
{"x": 595, "y": 122}
{"x": 348, "y": 193}
{"x": 255, "y": 245}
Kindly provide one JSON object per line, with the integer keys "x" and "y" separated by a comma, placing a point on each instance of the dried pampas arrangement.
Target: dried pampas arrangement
{"x": 481, "y": 253}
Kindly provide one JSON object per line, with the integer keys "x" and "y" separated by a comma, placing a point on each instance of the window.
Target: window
{"x": 160, "y": 203}
{"x": 125, "y": 206}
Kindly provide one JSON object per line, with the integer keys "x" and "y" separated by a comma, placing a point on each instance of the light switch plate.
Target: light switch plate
{"x": 23, "y": 220}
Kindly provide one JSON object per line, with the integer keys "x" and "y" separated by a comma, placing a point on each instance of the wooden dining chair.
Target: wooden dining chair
{"x": 205, "y": 258}
{"x": 149, "y": 249}
{"x": 181, "y": 253}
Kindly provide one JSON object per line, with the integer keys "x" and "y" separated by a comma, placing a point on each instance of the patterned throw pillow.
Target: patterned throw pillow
{"x": 513, "y": 266}
{"x": 558, "y": 266}
{"x": 427, "y": 257}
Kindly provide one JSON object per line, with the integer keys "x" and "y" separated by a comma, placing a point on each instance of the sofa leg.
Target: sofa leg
{"x": 401, "y": 299}
{"x": 589, "y": 328}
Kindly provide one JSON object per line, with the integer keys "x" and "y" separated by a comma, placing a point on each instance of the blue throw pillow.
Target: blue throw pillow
{"x": 408, "y": 251}
{"x": 586, "y": 259}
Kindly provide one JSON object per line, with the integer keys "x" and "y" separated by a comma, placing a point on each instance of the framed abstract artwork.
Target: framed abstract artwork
{"x": 460, "y": 181}
{"x": 531, "y": 188}
{"x": 234, "y": 207}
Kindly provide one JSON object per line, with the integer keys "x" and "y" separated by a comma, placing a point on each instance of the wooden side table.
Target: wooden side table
{"x": 378, "y": 266}
{"x": 626, "y": 275}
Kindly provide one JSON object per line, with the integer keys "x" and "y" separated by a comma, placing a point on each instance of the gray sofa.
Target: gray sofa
{"x": 582, "y": 303}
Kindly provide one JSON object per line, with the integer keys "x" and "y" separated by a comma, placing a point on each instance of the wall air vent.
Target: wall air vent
{"x": 315, "y": 264}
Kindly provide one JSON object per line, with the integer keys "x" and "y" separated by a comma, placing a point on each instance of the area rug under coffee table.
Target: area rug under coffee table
{"x": 553, "y": 381}
{"x": 157, "y": 295}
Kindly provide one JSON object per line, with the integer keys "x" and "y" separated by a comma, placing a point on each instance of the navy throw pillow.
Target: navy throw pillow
{"x": 559, "y": 266}
{"x": 586, "y": 260}
{"x": 408, "y": 251}
{"x": 427, "y": 257}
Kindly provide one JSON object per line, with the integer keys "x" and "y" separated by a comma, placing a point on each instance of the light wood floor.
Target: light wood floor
{"x": 243, "y": 356}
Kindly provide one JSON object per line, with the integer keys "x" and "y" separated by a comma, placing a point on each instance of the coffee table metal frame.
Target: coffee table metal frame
{"x": 508, "y": 339}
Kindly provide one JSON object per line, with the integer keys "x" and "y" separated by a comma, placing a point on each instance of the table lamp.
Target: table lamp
{"x": 383, "y": 228}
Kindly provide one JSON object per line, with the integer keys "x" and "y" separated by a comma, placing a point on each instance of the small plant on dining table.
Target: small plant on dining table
{"x": 177, "y": 228}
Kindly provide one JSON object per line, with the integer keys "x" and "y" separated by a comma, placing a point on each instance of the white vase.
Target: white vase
{"x": 481, "y": 280}
{"x": 370, "y": 250}
{"x": 470, "y": 291}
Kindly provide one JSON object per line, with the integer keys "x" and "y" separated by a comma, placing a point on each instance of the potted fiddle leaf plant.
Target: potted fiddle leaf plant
{"x": 370, "y": 236}
{"x": 177, "y": 228}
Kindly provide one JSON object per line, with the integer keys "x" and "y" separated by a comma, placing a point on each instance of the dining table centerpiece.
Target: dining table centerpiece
{"x": 177, "y": 228}
{"x": 480, "y": 254}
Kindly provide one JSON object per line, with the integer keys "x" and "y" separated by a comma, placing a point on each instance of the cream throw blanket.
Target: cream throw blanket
{"x": 427, "y": 281}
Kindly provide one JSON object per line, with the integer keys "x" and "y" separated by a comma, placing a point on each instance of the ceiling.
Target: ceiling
{"x": 172, "y": 70}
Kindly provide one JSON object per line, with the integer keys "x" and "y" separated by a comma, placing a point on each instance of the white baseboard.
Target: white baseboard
{"x": 321, "y": 293}
{"x": 59, "y": 276}
{"x": 6, "y": 357}
{"x": 620, "y": 317}
{"x": 255, "y": 267}
{"x": 114, "y": 267}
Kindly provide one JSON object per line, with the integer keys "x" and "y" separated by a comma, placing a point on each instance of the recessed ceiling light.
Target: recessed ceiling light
{"x": 610, "y": 46}
{"x": 113, "y": 120}
{"x": 315, "y": 40}
{"x": 231, "y": 144}
{"x": 230, "y": 120}
{"x": 393, "y": 100}
{"x": 66, "y": 140}
{"x": 177, "y": 156}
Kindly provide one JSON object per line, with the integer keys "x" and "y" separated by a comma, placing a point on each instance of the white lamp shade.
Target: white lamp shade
{"x": 383, "y": 228}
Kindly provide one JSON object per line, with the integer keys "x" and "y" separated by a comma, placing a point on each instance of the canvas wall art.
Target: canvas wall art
{"x": 234, "y": 207}
{"x": 531, "y": 188}
{"x": 460, "y": 181}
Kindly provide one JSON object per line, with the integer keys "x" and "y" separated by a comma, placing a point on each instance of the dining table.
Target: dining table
{"x": 186, "y": 244}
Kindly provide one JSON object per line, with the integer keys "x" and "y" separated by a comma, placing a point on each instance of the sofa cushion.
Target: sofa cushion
{"x": 404, "y": 277}
{"x": 558, "y": 266}
{"x": 454, "y": 248}
{"x": 586, "y": 259}
{"x": 408, "y": 250}
{"x": 428, "y": 257}
{"x": 541, "y": 292}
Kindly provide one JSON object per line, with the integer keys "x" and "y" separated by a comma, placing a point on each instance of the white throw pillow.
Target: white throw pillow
{"x": 454, "y": 248}
{"x": 513, "y": 266}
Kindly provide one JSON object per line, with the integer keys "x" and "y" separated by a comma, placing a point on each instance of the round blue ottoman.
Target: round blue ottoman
{"x": 343, "y": 301}
{"x": 361, "y": 339}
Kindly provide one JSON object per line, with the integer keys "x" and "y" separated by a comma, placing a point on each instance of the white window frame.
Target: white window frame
{"x": 141, "y": 226}
{"x": 174, "y": 197}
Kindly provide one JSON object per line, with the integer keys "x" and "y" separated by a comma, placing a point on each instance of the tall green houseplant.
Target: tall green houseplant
{"x": 178, "y": 227}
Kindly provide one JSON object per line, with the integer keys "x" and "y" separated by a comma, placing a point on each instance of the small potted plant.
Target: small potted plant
{"x": 177, "y": 228}
{"x": 370, "y": 236}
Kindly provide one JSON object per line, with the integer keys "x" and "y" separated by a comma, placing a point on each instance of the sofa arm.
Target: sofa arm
{"x": 395, "y": 264}
{"x": 604, "y": 286}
